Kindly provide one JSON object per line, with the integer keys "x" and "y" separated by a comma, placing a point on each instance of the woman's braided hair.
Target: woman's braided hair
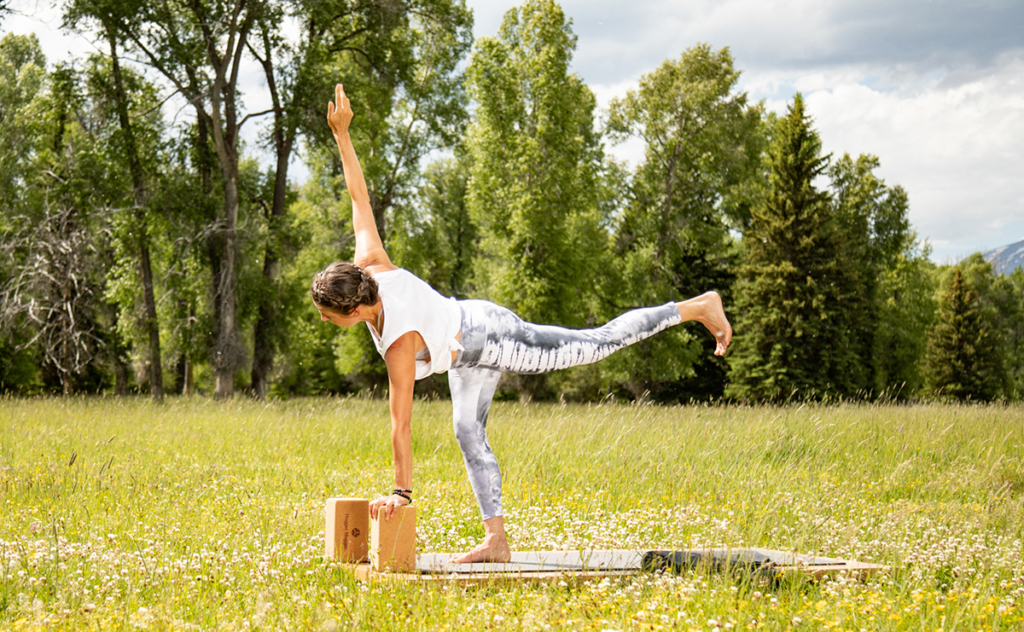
{"x": 342, "y": 287}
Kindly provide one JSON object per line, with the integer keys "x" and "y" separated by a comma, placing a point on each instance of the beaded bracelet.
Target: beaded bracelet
{"x": 401, "y": 494}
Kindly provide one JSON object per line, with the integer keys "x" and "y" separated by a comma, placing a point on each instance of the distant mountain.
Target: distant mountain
{"x": 1006, "y": 259}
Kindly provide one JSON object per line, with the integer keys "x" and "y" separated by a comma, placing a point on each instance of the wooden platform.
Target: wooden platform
{"x": 766, "y": 562}
{"x": 576, "y": 566}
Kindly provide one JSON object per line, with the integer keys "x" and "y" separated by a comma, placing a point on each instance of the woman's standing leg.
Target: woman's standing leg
{"x": 472, "y": 390}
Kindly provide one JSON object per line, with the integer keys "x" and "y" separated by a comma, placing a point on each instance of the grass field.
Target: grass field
{"x": 201, "y": 515}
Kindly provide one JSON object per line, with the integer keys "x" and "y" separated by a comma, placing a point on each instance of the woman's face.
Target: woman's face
{"x": 331, "y": 316}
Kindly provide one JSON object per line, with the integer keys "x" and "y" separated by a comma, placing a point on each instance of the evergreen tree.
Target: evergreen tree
{"x": 1000, "y": 306}
{"x": 1013, "y": 333}
{"x": 793, "y": 329}
{"x": 963, "y": 361}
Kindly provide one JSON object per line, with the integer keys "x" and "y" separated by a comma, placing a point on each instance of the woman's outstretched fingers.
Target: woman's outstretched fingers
{"x": 339, "y": 111}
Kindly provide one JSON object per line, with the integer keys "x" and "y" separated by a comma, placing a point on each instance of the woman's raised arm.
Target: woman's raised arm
{"x": 369, "y": 248}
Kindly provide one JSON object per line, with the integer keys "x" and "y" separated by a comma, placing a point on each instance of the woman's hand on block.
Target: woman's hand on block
{"x": 388, "y": 504}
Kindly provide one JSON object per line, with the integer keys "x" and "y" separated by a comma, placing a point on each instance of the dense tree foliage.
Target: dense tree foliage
{"x": 533, "y": 175}
{"x": 878, "y": 251}
{"x": 906, "y": 308}
{"x": 144, "y": 248}
{"x": 704, "y": 145}
{"x": 963, "y": 353}
{"x": 534, "y": 172}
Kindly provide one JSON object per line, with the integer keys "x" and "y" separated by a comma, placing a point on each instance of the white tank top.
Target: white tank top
{"x": 410, "y": 304}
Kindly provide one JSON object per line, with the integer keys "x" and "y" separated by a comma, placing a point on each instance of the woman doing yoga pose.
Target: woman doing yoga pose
{"x": 420, "y": 332}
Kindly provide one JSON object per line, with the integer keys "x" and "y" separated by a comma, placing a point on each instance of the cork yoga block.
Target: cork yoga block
{"x": 347, "y": 529}
{"x": 393, "y": 542}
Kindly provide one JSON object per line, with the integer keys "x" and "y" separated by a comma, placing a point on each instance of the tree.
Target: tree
{"x": 187, "y": 201}
{"x": 906, "y": 308}
{"x": 999, "y": 303}
{"x": 533, "y": 178}
{"x": 199, "y": 47}
{"x": 875, "y": 238}
{"x": 534, "y": 156}
{"x": 400, "y": 61}
{"x": 436, "y": 238}
{"x": 703, "y": 144}
{"x": 1013, "y": 332}
{"x": 55, "y": 237}
{"x": 22, "y": 77}
{"x": 793, "y": 330}
{"x": 136, "y": 146}
{"x": 963, "y": 362}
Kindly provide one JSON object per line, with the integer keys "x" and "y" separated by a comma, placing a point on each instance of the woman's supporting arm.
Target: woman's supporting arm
{"x": 401, "y": 362}
{"x": 369, "y": 248}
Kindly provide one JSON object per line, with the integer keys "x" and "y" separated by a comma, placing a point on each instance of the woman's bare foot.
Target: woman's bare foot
{"x": 494, "y": 548}
{"x": 489, "y": 550}
{"x": 707, "y": 310}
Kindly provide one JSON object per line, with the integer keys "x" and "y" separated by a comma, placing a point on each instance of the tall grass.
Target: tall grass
{"x": 201, "y": 515}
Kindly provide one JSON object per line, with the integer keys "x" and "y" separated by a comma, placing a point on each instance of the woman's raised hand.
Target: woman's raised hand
{"x": 338, "y": 117}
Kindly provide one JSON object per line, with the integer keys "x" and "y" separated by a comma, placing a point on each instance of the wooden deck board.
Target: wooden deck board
{"x": 578, "y": 566}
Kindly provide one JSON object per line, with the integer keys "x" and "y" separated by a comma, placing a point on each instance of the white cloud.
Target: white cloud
{"x": 955, "y": 148}
{"x": 44, "y": 19}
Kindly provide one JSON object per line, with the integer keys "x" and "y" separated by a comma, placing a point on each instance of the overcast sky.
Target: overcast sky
{"x": 935, "y": 89}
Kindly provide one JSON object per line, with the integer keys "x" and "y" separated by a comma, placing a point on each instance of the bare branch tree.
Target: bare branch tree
{"x": 53, "y": 291}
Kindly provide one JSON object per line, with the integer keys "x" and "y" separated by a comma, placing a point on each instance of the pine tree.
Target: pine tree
{"x": 793, "y": 328}
{"x": 963, "y": 360}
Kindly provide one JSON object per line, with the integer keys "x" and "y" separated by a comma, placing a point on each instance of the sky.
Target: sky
{"x": 934, "y": 88}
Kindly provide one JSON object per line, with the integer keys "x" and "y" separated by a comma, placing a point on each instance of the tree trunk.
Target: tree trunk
{"x": 117, "y": 346}
{"x": 228, "y": 352}
{"x": 156, "y": 375}
{"x": 156, "y": 371}
{"x": 214, "y": 245}
{"x": 265, "y": 332}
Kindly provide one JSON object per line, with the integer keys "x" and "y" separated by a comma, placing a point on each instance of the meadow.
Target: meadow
{"x": 196, "y": 515}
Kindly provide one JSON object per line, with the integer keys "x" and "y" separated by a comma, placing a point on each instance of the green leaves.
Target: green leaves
{"x": 535, "y": 158}
{"x": 703, "y": 143}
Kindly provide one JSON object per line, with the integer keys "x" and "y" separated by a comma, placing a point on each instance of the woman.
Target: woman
{"x": 420, "y": 332}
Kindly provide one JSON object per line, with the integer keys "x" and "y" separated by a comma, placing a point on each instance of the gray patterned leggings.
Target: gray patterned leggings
{"x": 495, "y": 341}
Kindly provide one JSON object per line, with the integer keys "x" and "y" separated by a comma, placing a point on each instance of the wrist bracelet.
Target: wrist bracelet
{"x": 399, "y": 489}
{"x": 400, "y": 494}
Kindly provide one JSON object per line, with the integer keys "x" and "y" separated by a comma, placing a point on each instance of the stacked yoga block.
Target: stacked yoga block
{"x": 351, "y": 536}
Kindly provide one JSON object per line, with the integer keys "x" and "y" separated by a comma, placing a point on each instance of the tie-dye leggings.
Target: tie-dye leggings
{"x": 495, "y": 341}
